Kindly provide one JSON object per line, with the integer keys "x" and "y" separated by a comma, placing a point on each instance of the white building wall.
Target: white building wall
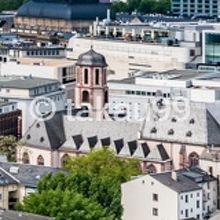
{"x": 188, "y": 205}
{"x": 123, "y": 57}
{"x": 137, "y": 200}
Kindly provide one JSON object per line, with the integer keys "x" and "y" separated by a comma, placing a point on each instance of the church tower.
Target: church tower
{"x": 91, "y": 83}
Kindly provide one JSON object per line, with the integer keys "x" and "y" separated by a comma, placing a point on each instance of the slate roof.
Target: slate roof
{"x": 197, "y": 175}
{"x": 27, "y": 175}
{"x": 199, "y": 126}
{"x": 64, "y": 10}
{"x": 91, "y": 58}
{"x": 24, "y": 82}
{"x": 15, "y": 215}
{"x": 61, "y": 134}
{"x": 183, "y": 184}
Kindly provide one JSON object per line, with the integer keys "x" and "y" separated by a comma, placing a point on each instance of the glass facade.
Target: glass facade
{"x": 212, "y": 48}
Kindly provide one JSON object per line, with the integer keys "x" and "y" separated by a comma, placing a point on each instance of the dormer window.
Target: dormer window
{"x": 189, "y": 134}
{"x": 153, "y": 130}
{"x": 171, "y": 132}
{"x": 192, "y": 121}
{"x": 173, "y": 120}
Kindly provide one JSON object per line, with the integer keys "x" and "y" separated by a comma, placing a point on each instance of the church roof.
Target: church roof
{"x": 91, "y": 58}
{"x": 62, "y": 10}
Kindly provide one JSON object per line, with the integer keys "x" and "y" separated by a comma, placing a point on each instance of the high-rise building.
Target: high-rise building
{"x": 195, "y": 8}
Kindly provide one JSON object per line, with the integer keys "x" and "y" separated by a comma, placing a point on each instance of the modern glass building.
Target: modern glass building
{"x": 211, "y": 47}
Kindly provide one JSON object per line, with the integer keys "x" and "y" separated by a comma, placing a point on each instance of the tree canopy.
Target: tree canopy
{"x": 8, "y": 147}
{"x": 143, "y": 6}
{"x": 94, "y": 180}
{"x": 10, "y": 4}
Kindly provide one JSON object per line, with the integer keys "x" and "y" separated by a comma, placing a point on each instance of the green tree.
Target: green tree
{"x": 96, "y": 177}
{"x": 8, "y": 147}
{"x": 65, "y": 205}
{"x": 119, "y": 7}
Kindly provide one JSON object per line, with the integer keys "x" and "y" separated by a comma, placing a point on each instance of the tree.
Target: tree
{"x": 119, "y": 7}
{"x": 65, "y": 205}
{"x": 8, "y": 147}
{"x": 143, "y": 6}
{"x": 96, "y": 177}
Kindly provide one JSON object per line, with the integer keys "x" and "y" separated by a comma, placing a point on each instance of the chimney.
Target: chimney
{"x": 174, "y": 175}
{"x": 108, "y": 15}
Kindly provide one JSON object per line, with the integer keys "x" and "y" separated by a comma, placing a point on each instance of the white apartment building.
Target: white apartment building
{"x": 23, "y": 90}
{"x": 62, "y": 70}
{"x": 124, "y": 57}
{"x": 195, "y": 8}
{"x": 176, "y": 196}
{"x": 130, "y": 96}
{"x": 160, "y": 196}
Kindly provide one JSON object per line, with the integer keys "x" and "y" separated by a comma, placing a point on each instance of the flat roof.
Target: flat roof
{"x": 5, "y": 103}
{"x": 18, "y": 82}
{"x": 46, "y": 61}
{"x": 181, "y": 75}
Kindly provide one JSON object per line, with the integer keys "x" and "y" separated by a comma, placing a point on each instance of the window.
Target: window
{"x": 186, "y": 213}
{"x": 97, "y": 76}
{"x": 155, "y": 197}
{"x": 197, "y": 204}
{"x": 64, "y": 160}
{"x": 40, "y": 160}
{"x": 25, "y": 158}
{"x": 186, "y": 199}
{"x": 155, "y": 212}
{"x": 86, "y": 76}
{"x": 85, "y": 96}
{"x": 208, "y": 185}
{"x": 193, "y": 159}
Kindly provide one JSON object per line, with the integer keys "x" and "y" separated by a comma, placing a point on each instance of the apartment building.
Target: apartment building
{"x": 170, "y": 195}
{"x": 24, "y": 90}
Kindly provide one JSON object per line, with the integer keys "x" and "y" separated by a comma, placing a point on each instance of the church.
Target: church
{"x": 60, "y": 15}
{"x": 158, "y": 145}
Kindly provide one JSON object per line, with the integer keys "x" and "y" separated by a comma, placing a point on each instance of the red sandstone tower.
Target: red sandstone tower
{"x": 91, "y": 84}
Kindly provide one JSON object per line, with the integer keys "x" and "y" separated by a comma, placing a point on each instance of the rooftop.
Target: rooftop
{"x": 65, "y": 10}
{"x": 15, "y": 215}
{"x": 28, "y": 175}
{"x": 182, "y": 184}
{"x": 17, "y": 82}
{"x": 5, "y": 103}
{"x": 181, "y": 75}
{"x": 55, "y": 62}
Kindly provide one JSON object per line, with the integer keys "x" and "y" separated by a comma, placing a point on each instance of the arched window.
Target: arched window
{"x": 64, "y": 160}
{"x": 151, "y": 169}
{"x": 106, "y": 96}
{"x": 193, "y": 159}
{"x": 97, "y": 76}
{"x": 25, "y": 158}
{"x": 40, "y": 160}
{"x": 85, "y": 96}
{"x": 86, "y": 76}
